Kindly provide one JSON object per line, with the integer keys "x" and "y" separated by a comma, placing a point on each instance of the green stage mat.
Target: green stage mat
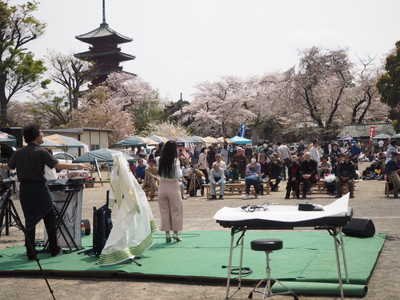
{"x": 306, "y": 263}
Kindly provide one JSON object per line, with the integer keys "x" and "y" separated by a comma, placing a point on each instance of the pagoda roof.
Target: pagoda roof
{"x": 111, "y": 53}
{"x": 103, "y": 33}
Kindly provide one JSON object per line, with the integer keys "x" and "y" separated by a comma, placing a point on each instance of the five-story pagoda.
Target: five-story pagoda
{"x": 104, "y": 52}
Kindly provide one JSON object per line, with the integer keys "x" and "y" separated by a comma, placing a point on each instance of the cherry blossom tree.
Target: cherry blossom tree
{"x": 167, "y": 129}
{"x": 218, "y": 105}
{"x": 99, "y": 110}
{"x": 363, "y": 100}
{"x": 135, "y": 96}
{"x": 319, "y": 85}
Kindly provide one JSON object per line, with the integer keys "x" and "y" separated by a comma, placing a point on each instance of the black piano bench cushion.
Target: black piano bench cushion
{"x": 266, "y": 245}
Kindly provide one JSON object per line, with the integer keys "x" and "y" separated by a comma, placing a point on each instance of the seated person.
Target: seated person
{"x": 308, "y": 171}
{"x": 324, "y": 167}
{"x": 217, "y": 178}
{"x": 139, "y": 171}
{"x": 265, "y": 171}
{"x": 253, "y": 177}
{"x": 233, "y": 172}
{"x": 393, "y": 171}
{"x": 346, "y": 172}
{"x": 151, "y": 178}
{"x": 222, "y": 164}
{"x": 187, "y": 166}
{"x": 293, "y": 183}
{"x": 276, "y": 170}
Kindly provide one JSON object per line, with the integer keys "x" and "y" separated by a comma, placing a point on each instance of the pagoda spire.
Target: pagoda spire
{"x": 104, "y": 12}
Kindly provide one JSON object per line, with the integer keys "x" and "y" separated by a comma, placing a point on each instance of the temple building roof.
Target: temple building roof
{"x": 103, "y": 34}
{"x": 113, "y": 54}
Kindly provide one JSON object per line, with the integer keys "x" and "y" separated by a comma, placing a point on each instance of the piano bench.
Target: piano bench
{"x": 268, "y": 245}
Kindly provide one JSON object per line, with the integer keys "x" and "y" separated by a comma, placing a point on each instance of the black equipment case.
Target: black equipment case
{"x": 102, "y": 225}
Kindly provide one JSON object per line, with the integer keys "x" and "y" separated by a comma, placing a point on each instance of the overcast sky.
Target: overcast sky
{"x": 179, "y": 43}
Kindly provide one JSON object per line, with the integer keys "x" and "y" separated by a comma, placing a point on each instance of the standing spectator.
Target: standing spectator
{"x": 196, "y": 154}
{"x": 267, "y": 151}
{"x": 35, "y": 197}
{"x": 346, "y": 172}
{"x": 169, "y": 198}
{"x": 159, "y": 150}
{"x": 218, "y": 160}
{"x": 224, "y": 153}
{"x": 333, "y": 154}
{"x": 203, "y": 166}
{"x": 315, "y": 152}
{"x": 293, "y": 183}
{"x": 151, "y": 178}
{"x": 300, "y": 148}
{"x": 308, "y": 169}
{"x": 241, "y": 161}
{"x": 380, "y": 144}
{"x": 390, "y": 149}
{"x": 190, "y": 154}
{"x": 284, "y": 155}
{"x": 248, "y": 152}
{"x": 355, "y": 152}
{"x": 231, "y": 153}
{"x": 393, "y": 171}
{"x": 217, "y": 178}
{"x": 210, "y": 156}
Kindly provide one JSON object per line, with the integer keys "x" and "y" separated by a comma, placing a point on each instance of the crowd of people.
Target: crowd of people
{"x": 299, "y": 167}
{"x": 174, "y": 171}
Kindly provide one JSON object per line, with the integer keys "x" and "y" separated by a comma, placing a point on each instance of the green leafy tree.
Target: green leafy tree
{"x": 389, "y": 86}
{"x": 18, "y": 69}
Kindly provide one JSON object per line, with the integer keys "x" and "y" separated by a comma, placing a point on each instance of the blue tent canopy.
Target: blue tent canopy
{"x": 240, "y": 140}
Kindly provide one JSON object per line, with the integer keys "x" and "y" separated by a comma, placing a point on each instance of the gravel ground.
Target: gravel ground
{"x": 369, "y": 202}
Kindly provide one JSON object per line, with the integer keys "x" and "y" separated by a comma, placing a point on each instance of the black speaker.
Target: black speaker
{"x": 359, "y": 228}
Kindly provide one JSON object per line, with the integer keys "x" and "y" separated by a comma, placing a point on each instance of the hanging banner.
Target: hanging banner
{"x": 242, "y": 130}
{"x": 371, "y": 133}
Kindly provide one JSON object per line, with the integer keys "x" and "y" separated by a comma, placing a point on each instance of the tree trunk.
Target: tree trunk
{"x": 3, "y": 105}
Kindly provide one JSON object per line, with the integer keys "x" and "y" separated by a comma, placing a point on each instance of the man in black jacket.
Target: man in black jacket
{"x": 308, "y": 170}
{"x": 345, "y": 174}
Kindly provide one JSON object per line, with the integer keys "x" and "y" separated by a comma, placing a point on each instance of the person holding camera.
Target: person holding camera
{"x": 35, "y": 197}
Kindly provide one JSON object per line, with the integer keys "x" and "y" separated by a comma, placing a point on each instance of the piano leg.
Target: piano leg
{"x": 337, "y": 242}
{"x": 344, "y": 255}
{"x": 240, "y": 243}
{"x": 228, "y": 281}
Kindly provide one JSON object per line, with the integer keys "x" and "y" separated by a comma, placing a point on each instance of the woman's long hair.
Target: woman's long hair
{"x": 167, "y": 159}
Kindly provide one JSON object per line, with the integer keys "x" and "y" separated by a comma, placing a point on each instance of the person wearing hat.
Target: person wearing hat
{"x": 346, "y": 172}
{"x": 393, "y": 171}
